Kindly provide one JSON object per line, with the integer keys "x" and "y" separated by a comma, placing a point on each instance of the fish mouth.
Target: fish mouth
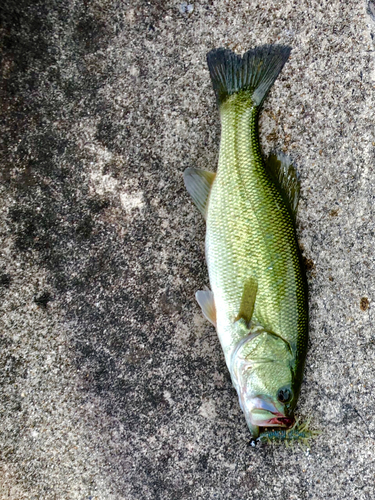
{"x": 263, "y": 418}
{"x": 265, "y": 414}
{"x": 280, "y": 422}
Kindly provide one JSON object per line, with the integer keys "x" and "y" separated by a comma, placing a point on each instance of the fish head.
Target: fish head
{"x": 261, "y": 370}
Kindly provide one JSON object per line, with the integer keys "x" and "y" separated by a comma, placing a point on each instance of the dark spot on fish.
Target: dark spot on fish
{"x": 5, "y": 280}
{"x": 334, "y": 212}
{"x": 330, "y": 278}
{"x": 43, "y": 299}
{"x": 364, "y": 304}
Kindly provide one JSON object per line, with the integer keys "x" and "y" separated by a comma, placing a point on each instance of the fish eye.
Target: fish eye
{"x": 284, "y": 395}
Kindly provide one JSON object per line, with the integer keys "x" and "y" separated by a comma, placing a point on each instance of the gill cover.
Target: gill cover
{"x": 261, "y": 370}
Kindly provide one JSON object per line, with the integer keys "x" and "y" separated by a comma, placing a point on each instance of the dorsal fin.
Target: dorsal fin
{"x": 198, "y": 184}
{"x": 285, "y": 176}
{"x": 205, "y": 299}
{"x": 248, "y": 301}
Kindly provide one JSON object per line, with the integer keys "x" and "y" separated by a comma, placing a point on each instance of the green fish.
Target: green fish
{"x": 258, "y": 297}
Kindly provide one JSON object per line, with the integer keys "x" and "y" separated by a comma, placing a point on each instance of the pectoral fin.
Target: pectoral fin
{"x": 205, "y": 299}
{"x": 248, "y": 301}
{"x": 285, "y": 176}
{"x": 198, "y": 184}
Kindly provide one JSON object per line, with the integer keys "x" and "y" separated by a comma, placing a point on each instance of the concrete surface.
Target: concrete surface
{"x": 113, "y": 386}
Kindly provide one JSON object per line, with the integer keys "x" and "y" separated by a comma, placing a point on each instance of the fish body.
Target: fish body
{"x": 258, "y": 297}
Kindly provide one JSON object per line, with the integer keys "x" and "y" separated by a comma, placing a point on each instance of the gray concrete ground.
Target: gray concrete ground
{"x": 112, "y": 385}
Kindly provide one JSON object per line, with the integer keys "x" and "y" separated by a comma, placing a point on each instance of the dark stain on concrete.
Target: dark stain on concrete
{"x": 43, "y": 299}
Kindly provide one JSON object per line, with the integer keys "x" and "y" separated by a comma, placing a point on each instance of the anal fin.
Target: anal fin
{"x": 198, "y": 184}
{"x": 205, "y": 299}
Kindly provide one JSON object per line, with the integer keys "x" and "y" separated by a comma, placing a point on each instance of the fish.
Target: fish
{"x": 258, "y": 291}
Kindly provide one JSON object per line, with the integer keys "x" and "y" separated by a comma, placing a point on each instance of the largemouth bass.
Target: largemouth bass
{"x": 258, "y": 296}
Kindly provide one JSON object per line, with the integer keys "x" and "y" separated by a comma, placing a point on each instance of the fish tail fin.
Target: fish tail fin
{"x": 255, "y": 71}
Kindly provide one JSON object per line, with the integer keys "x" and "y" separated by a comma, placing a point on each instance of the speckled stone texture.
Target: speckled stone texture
{"x": 113, "y": 386}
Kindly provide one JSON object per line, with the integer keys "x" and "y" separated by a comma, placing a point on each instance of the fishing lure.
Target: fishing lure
{"x": 299, "y": 433}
